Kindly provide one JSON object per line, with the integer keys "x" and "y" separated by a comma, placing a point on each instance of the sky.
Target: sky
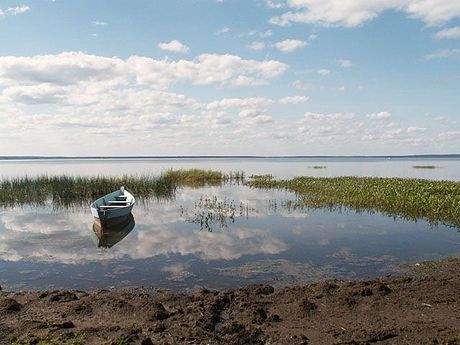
{"x": 229, "y": 77}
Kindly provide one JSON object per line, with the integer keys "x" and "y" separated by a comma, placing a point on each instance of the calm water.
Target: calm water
{"x": 448, "y": 169}
{"x": 256, "y": 239}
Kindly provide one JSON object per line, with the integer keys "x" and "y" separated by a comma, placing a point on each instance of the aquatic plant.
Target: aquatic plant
{"x": 211, "y": 212}
{"x": 201, "y": 177}
{"x": 65, "y": 190}
{"x": 424, "y": 167}
{"x": 434, "y": 201}
{"x": 68, "y": 191}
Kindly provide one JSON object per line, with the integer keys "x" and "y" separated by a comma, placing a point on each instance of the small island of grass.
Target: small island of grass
{"x": 425, "y": 167}
{"x": 434, "y": 201}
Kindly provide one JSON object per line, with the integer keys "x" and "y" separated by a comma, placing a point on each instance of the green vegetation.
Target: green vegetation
{"x": 78, "y": 338}
{"x": 69, "y": 190}
{"x": 210, "y": 212}
{"x": 73, "y": 190}
{"x": 424, "y": 167}
{"x": 434, "y": 201}
{"x": 200, "y": 177}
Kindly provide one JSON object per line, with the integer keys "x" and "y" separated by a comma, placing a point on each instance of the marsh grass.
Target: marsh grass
{"x": 434, "y": 201}
{"x": 211, "y": 212}
{"x": 200, "y": 177}
{"x": 68, "y": 191}
{"x": 425, "y": 167}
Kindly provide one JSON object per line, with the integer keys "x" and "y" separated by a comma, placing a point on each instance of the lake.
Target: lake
{"x": 216, "y": 237}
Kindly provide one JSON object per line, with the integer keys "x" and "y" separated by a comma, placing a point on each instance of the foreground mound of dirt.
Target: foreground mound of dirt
{"x": 420, "y": 308}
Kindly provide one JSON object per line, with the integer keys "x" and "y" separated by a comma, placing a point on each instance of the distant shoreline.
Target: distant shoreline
{"x": 422, "y": 156}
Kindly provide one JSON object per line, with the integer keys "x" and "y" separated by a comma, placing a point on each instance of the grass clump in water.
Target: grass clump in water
{"x": 424, "y": 167}
{"x": 201, "y": 177}
{"x": 211, "y": 212}
{"x": 66, "y": 190}
{"x": 70, "y": 190}
{"x": 434, "y": 201}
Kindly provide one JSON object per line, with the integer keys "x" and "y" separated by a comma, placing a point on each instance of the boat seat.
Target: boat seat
{"x": 111, "y": 206}
{"x": 114, "y": 202}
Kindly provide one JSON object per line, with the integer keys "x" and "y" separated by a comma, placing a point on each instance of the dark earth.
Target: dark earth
{"x": 420, "y": 307}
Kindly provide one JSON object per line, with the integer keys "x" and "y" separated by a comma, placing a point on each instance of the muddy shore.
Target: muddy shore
{"x": 421, "y": 307}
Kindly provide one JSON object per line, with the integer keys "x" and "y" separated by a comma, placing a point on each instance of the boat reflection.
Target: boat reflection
{"x": 110, "y": 235}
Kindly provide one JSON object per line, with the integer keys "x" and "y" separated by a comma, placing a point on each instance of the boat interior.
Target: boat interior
{"x": 118, "y": 199}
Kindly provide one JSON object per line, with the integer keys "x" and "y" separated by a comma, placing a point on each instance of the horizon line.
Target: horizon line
{"x": 32, "y": 157}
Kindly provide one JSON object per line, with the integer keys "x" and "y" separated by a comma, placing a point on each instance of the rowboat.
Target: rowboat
{"x": 109, "y": 236}
{"x": 113, "y": 208}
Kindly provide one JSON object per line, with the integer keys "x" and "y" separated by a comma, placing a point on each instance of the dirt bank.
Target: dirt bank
{"x": 422, "y": 307}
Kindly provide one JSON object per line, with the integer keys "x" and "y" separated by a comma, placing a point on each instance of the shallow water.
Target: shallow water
{"x": 256, "y": 240}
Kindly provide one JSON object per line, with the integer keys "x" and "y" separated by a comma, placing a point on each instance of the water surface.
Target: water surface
{"x": 446, "y": 168}
{"x": 257, "y": 240}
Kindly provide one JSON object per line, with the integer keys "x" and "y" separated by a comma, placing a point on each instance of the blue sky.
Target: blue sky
{"x": 201, "y": 77}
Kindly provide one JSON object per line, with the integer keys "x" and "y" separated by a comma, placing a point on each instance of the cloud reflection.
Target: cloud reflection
{"x": 43, "y": 235}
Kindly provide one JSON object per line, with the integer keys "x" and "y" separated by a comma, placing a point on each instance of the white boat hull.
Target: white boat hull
{"x": 113, "y": 208}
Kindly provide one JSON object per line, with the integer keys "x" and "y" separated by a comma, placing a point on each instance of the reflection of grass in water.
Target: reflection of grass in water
{"x": 210, "y": 212}
{"x": 424, "y": 167}
{"x": 434, "y": 201}
{"x": 77, "y": 190}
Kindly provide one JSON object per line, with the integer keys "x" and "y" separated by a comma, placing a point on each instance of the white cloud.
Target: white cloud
{"x": 350, "y": 13}
{"x": 345, "y": 63}
{"x": 433, "y": 12}
{"x": 448, "y": 33}
{"x": 442, "y": 54}
{"x": 76, "y": 67}
{"x": 293, "y": 100}
{"x": 99, "y": 23}
{"x": 174, "y": 46}
{"x": 297, "y": 84}
{"x": 328, "y": 117}
{"x": 274, "y": 4}
{"x": 257, "y": 45}
{"x": 323, "y": 72}
{"x": 288, "y": 46}
{"x": 267, "y": 33}
{"x": 14, "y": 11}
{"x": 413, "y": 129}
{"x": 224, "y": 30}
{"x": 17, "y": 10}
{"x": 379, "y": 116}
{"x": 103, "y": 97}
{"x": 252, "y": 102}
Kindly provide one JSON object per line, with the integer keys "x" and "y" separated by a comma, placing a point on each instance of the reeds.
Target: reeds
{"x": 77, "y": 190}
{"x": 211, "y": 212}
{"x": 434, "y": 201}
{"x": 69, "y": 190}
{"x": 200, "y": 177}
{"x": 424, "y": 167}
